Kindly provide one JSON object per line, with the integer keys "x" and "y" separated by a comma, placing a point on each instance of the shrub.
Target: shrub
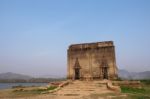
{"x": 147, "y": 82}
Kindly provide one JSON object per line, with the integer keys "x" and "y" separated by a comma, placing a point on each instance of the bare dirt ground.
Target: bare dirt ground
{"x": 80, "y": 90}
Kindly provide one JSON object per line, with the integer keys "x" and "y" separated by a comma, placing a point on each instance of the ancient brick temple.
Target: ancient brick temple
{"x": 92, "y": 61}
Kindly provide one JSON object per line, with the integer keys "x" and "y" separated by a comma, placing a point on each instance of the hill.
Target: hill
{"x": 10, "y": 75}
{"x": 124, "y": 74}
{"x": 20, "y": 78}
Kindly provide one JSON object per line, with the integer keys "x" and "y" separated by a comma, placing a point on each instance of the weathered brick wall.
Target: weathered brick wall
{"x": 90, "y": 57}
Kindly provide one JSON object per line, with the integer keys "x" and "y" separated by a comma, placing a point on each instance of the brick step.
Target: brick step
{"x": 89, "y": 88}
{"x": 88, "y": 84}
{"x": 78, "y": 87}
{"x": 85, "y": 87}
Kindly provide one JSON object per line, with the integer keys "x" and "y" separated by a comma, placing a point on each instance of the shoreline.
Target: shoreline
{"x": 13, "y": 85}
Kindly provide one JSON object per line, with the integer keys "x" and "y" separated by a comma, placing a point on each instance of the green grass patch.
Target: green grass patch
{"x": 24, "y": 92}
{"x": 49, "y": 88}
{"x": 138, "y": 97}
{"x": 145, "y": 90}
{"x": 137, "y": 93}
{"x": 132, "y": 90}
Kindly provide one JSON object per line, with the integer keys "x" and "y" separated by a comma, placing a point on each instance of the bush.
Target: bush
{"x": 147, "y": 82}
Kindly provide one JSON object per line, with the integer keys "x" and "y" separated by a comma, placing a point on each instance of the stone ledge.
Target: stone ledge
{"x": 134, "y": 84}
{"x": 59, "y": 86}
{"x": 114, "y": 88}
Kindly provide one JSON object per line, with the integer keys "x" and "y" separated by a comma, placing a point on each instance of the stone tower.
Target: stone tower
{"x": 92, "y": 61}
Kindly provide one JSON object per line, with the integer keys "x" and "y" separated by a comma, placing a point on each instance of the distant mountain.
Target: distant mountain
{"x": 51, "y": 76}
{"x": 10, "y": 75}
{"x": 124, "y": 74}
{"x": 20, "y": 78}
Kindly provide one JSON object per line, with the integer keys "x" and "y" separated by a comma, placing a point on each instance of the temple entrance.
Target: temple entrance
{"x": 104, "y": 69}
{"x": 77, "y": 73}
{"x": 77, "y": 69}
{"x": 105, "y": 72}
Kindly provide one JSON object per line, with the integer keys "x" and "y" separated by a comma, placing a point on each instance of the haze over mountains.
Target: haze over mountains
{"x": 123, "y": 74}
{"x": 10, "y": 75}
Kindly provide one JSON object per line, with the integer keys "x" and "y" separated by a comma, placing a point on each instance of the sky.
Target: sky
{"x": 35, "y": 34}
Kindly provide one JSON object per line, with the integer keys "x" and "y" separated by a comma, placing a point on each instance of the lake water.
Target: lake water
{"x": 10, "y": 85}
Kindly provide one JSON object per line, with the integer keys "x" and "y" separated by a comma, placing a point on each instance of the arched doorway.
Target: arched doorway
{"x": 104, "y": 70}
{"x": 77, "y": 73}
{"x": 77, "y": 69}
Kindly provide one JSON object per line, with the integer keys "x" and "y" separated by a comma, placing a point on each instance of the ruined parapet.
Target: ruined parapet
{"x": 86, "y": 46}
